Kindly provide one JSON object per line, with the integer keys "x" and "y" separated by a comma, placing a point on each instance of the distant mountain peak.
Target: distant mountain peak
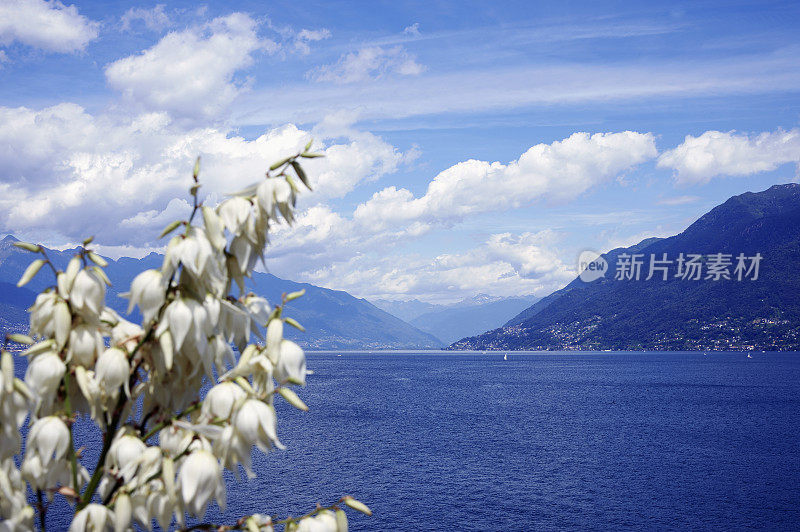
{"x": 10, "y": 238}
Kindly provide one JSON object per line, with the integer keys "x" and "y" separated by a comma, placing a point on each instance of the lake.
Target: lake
{"x": 461, "y": 441}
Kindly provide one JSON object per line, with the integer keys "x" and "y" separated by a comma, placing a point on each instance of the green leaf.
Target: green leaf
{"x": 293, "y": 399}
{"x": 280, "y": 163}
{"x": 301, "y": 174}
{"x": 296, "y": 325}
{"x": 33, "y": 248}
{"x": 310, "y": 142}
{"x": 32, "y": 270}
{"x": 97, "y": 259}
{"x": 88, "y": 241}
{"x": 311, "y": 155}
{"x": 170, "y": 228}
{"x": 294, "y": 295}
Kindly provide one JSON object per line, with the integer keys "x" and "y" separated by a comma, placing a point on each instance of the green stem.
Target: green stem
{"x": 42, "y": 511}
{"x": 111, "y": 430}
{"x": 71, "y": 451}
{"x": 108, "y": 437}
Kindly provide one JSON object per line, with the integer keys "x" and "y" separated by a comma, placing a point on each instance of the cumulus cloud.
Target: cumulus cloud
{"x": 369, "y": 63}
{"x": 304, "y": 37}
{"x": 119, "y": 178}
{"x": 50, "y": 26}
{"x": 555, "y": 172}
{"x": 340, "y": 251}
{"x": 154, "y": 19}
{"x": 505, "y": 264}
{"x": 714, "y": 153}
{"x": 190, "y": 73}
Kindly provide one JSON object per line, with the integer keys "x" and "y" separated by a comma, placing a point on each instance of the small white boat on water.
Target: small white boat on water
{"x": 749, "y": 355}
{"x": 505, "y": 356}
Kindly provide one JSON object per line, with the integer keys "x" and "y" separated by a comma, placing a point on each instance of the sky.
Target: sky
{"x": 471, "y": 147}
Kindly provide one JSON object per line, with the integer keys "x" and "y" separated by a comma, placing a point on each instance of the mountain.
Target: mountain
{"x": 333, "y": 319}
{"x": 406, "y": 310}
{"x": 450, "y": 322}
{"x": 679, "y": 313}
{"x": 470, "y": 316}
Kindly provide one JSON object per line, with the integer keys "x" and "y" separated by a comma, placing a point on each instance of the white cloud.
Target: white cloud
{"x": 505, "y": 265}
{"x": 362, "y": 254}
{"x": 190, "y": 73}
{"x": 119, "y": 178}
{"x": 555, "y": 172}
{"x": 50, "y": 26}
{"x": 523, "y": 86}
{"x": 412, "y": 30}
{"x": 154, "y": 19}
{"x": 304, "y": 37}
{"x": 369, "y": 63}
{"x": 678, "y": 200}
{"x": 714, "y": 153}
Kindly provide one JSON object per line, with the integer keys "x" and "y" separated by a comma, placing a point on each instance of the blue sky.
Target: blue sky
{"x": 472, "y": 146}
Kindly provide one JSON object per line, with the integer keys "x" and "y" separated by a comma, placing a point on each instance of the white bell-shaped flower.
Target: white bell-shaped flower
{"x": 325, "y": 521}
{"x": 291, "y": 364}
{"x": 233, "y": 450}
{"x": 44, "y": 374}
{"x": 200, "y": 480}
{"x": 125, "y": 334}
{"x": 221, "y": 400}
{"x": 147, "y": 291}
{"x": 48, "y": 439}
{"x": 259, "y": 309}
{"x": 124, "y": 451}
{"x": 255, "y": 421}
{"x": 42, "y": 314}
{"x": 112, "y": 369}
{"x": 265, "y": 193}
{"x": 85, "y": 345}
{"x": 174, "y": 440}
{"x": 93, "y": 518}
{"x": 88, "y": 293}
{"x": 234, "y": 213}
{"x": 123, "y": 512}
{"x": 187, "y": 320}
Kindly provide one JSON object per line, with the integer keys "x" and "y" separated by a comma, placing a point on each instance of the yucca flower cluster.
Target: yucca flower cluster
{"x": 164, "y": 447}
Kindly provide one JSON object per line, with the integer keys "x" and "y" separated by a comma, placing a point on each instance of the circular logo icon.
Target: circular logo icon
{"x": 592, "y": 266}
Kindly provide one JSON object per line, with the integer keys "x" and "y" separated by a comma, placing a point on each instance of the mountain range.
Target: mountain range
{"x": 333, "y": 319}
{"x": 680, "y": 312}
{"x": 457, "y": 320}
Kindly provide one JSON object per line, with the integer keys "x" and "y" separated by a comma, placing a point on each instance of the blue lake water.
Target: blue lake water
{"x": 541, "y": 441}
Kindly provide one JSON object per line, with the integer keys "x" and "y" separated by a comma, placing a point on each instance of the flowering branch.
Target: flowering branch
{"x": 164, "y": 446}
